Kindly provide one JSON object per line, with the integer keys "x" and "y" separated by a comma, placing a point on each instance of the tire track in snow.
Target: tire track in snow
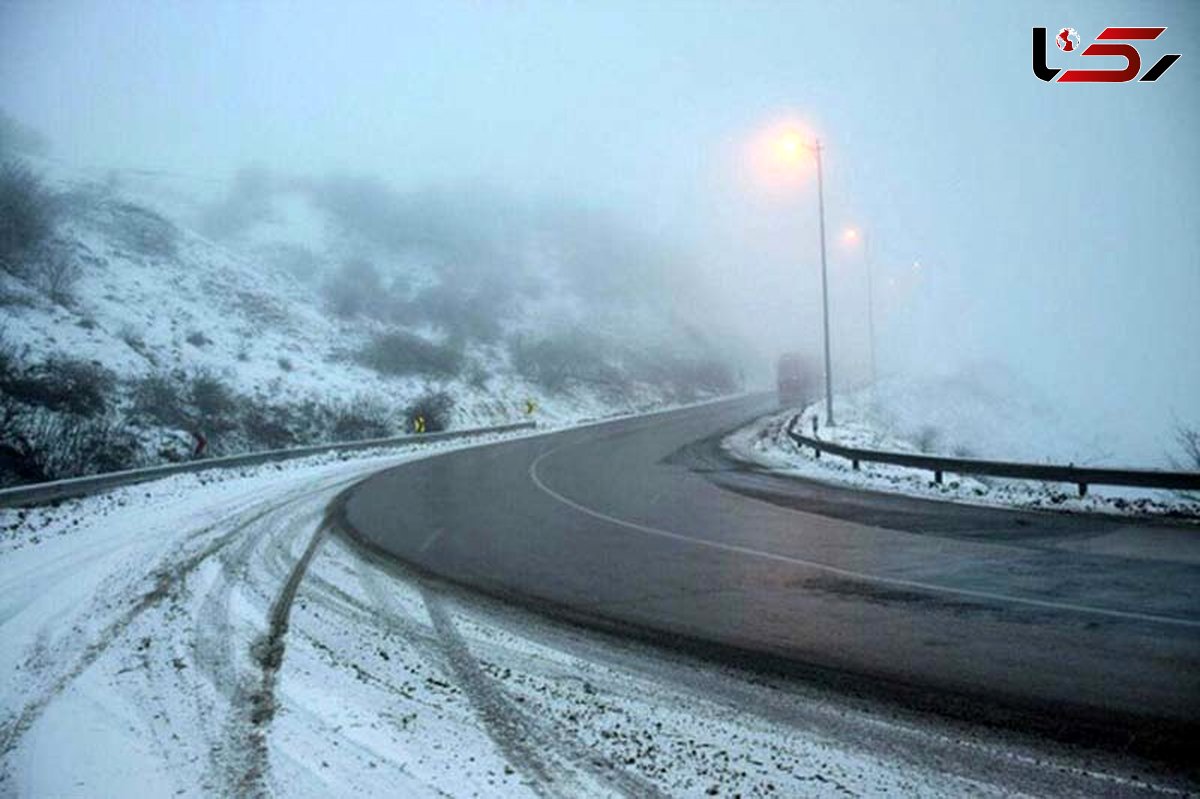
{"x": 553, "y": 766}
{"x": 268, "y": 653}
{"x": 166, "y": 578}
{"x": 255, "y": 710}
{"x": 253, "y": 706}
{"x": 506, "y": 726}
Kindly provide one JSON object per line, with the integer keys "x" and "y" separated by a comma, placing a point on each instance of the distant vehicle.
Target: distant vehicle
{"x": 794, "y": 378}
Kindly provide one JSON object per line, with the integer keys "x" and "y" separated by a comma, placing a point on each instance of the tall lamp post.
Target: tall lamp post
{"x": 788, "y": 147}
{"x": 816, "y": 149}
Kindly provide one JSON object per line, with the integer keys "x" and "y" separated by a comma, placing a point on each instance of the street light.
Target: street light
{"x": 789, "y": 146}
{"x": 851, "y": 236}
{"x": 816, "y": 148}
{"x": 776, "y": 155}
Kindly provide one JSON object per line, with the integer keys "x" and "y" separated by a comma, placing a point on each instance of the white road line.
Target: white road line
{"x": 430, "y": 539}
{"x": 855, "y": 575}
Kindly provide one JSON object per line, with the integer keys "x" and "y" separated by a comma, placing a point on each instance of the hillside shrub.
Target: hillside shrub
{"x": 215, "y": 402}
{"x": 42, "y": 445}
{"x": 435, "y": 408}
{"x": 69, "y": 385}
{"x": 56, "y": 273}
{"x": 361, "y": 418}
{"x": 27, "y": 217}
{"x": 398, "y": 353}
{"x": 160, "y": 398}
{"x": 554, "y": 363}
{"x": 267, "y": 427}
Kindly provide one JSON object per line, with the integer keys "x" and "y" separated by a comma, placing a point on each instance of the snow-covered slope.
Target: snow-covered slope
{"x": 256, "y": 312}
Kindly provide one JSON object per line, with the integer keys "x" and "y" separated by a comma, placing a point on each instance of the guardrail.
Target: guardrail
{"x": 1080, "y": 476}
{"x": 81, "y": 486}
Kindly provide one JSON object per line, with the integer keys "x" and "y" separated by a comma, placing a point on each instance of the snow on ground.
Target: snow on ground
{"x": 161, "y": 300}
{"x": 167, "y": 639}
{"x": 870, "y": 420}
{"x": 204, "y": 306}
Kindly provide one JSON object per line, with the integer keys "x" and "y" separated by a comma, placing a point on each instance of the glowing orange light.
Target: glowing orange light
{"x": 781, "y": 155}
{"x": 851, "y": 235}
{"x": 790, "y": 146}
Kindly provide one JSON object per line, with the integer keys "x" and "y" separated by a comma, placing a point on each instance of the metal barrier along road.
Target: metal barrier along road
{"x": 1080, "y": 476}
{"x": 81, "y": 486}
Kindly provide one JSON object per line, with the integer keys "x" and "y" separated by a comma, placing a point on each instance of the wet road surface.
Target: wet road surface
{"x": 1084, "y": 627}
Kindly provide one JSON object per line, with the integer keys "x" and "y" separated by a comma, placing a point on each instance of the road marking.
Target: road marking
{"x": 849, "y": 573}
{"x": 429, "y": 540}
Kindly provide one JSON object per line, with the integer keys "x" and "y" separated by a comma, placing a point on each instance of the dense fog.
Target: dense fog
{"x": 1034, "y": 239}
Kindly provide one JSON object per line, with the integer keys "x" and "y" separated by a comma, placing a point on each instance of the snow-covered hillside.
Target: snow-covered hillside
{"x": 274, "y": 312}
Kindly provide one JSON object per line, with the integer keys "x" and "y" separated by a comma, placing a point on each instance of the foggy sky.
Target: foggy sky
{"x": 1055, "y": 226}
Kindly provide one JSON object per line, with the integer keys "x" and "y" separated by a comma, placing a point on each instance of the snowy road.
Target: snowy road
{"x": 212, "y": 635}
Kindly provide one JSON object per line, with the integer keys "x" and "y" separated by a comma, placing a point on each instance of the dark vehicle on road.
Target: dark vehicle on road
{"x": 793, "y": 378}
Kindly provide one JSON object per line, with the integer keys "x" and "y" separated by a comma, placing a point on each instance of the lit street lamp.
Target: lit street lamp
{"x": 790, "y": 145}
{"x": 816, "y": 148}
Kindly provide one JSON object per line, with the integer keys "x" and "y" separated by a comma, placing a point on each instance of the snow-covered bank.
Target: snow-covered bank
{"x": 134, "y": 628}
{"x": 862, "y": 423}
{"x": 144, "y": 319}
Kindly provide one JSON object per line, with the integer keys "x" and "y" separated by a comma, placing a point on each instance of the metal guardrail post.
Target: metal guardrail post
{"x": 38, "y": 493}
{"x": 1081, "y": 477}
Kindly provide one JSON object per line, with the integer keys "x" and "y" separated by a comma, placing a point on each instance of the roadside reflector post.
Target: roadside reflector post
{"x": 855, "y": 462}
{"x": 937, "y": 476}
{"x": 1083, "y": 489}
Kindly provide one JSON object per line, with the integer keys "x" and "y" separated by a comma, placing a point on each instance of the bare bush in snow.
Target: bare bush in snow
{"x": 398, "y": 353}
{"x": 27, "y": 218}
{"x": 57, "y": 273}
{"x": 69, "y": 385}
{"x": 1188, "y": 440}
{"x": 215, "y": 402}
{"x": 554, "y": 363}
{"x": 41, "y": 445}
{"x": 160, "y": 398}
{"x": 434, "y": 409}
{"x": 361, "y": 418}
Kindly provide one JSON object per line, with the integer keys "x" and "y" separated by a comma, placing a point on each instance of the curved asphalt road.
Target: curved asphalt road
{"x": 1080, "y": 626}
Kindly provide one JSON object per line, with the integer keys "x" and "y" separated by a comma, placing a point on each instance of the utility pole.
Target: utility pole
{"x": 824, "y": 288}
